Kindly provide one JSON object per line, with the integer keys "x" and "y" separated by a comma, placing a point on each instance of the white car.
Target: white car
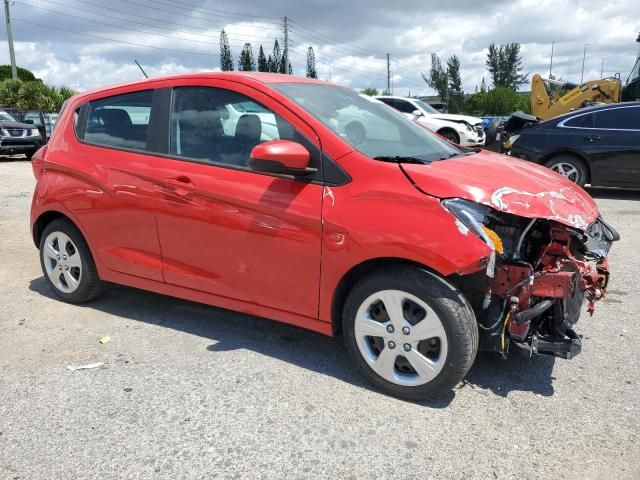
{"x": 460, "y": 129}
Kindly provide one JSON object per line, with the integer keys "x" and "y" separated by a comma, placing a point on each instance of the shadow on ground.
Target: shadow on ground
{"x": 229, "y": 330}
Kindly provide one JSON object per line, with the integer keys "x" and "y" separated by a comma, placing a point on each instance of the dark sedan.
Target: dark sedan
{"x": 598, "y": 145}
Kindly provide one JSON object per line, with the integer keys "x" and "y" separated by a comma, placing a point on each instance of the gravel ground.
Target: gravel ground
{"x": 189, "y": 391}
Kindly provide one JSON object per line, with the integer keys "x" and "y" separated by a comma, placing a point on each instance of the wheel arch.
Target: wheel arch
{"x": 357, "y": 273}
{"x": 444, "y": 130}
{"x": 571, "y": 153}
{"x": 45, "y": 219}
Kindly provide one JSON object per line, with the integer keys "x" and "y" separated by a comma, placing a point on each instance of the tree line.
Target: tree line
{"x": 504, "y": 63}
{"x": 274, "y": 62}
{"x": 29, "y": 92}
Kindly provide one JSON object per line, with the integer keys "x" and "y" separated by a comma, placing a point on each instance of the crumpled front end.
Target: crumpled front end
{"x": 540, "y": 276}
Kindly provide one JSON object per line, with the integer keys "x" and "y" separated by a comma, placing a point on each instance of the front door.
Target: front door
{"x": 225, "y": 229}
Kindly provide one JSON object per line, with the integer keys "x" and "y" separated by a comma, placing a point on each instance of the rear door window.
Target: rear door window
{"x": 121, "y": 121}
{"x": 625, "y": 118}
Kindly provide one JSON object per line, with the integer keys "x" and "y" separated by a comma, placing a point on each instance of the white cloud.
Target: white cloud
{"x": 362, "y": 34}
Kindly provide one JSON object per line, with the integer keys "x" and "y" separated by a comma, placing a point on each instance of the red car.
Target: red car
{"x": 303, "y": 202}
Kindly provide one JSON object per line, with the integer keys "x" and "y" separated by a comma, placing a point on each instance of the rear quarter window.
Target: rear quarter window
{"x": 120, "y": 121}
{"x": 580, "y": 121}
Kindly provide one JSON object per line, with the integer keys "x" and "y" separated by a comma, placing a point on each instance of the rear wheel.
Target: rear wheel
{"x": 67, "y": 263}
{"x": 410, "y": 332}
{"x": 569, "y": 167}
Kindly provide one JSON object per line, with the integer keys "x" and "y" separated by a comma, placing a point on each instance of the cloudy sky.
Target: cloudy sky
{"x": 90, "y": 43}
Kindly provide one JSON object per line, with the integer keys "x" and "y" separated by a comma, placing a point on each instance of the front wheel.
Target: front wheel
{"x": 451, "y": 136}
{"x": 410, "y": 332}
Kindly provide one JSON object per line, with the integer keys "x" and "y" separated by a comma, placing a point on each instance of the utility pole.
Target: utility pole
{"x": 602, "y": 66}
{"x": 584, "y": 55}
{"x": 551, "y": 64}
{"x": 286, "y": 46}
{"x": 388, "y": 76}
{"x": 12, "y": 53}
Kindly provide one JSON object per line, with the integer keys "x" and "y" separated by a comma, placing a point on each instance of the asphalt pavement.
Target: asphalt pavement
{"x": 191, "y": 391}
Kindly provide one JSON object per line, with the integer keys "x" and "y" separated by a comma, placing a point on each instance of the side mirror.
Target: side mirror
{"x": 417, "y": 113}
{"x": 30, "y": 122}
{"x": 281, "y": 156}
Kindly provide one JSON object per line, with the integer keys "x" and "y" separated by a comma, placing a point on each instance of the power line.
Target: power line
{"x": 163, "y": 21}
{"x": 114, "y": 40}
{"x": 180, "y": 13}
{"x": 329, "y": 40}
{"x": 118, "y": 26}
{"x": 208, "y": 9}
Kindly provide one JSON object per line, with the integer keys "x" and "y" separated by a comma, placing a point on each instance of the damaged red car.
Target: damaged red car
{"x": 303, "y": 202}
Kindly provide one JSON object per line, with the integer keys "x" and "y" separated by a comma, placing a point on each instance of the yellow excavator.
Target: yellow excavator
{"x": 550, "y": 98}
{"x": 546, "y": 104}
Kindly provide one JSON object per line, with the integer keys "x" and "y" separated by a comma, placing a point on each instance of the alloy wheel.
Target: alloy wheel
{"x": 566, "y": 170}
{"x": 401, "y": 338}
{"x": 62, "y": 262}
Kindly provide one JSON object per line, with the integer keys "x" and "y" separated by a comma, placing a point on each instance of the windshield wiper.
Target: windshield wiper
{"x": 457, "y": 154}
{"x": 401, "y": 159}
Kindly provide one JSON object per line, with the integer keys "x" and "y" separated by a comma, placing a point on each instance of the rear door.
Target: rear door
{"x": 225, "y": 229}
{"x": 614, "y": 144}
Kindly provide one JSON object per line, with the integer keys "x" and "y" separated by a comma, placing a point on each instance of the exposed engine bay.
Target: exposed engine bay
{"x": 536, "y": 281}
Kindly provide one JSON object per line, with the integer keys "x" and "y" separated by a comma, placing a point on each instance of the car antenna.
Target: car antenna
{"x": 141, "y": 69}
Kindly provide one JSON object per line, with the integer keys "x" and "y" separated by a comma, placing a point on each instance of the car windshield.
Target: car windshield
{"x": 425, "y": 106}
{"x": 369, "y": 126}
{"x": 635, "y": 72}
{"x": 5, "y": 117}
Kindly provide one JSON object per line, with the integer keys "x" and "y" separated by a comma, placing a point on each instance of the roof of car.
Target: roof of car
{"x": 261, "y": 77}
{"x": 594, "y": 108}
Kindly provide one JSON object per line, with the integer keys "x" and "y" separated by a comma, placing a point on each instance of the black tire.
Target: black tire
{"x": 450, "y": 135}
{"x": 492, "y": 132}
{"x": 581, "y": 175}
{"x": 90, "y": 286}
{"x": 454, "y": 312}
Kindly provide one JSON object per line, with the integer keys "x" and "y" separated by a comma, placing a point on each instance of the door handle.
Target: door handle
{"x": 181, "y": 185}
{"x": 593, "y": 138}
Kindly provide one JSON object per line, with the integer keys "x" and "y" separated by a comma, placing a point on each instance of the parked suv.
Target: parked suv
{"x": 301, "y": 209}
{"x": 18, "y": 137}
{"x": 460, "y": 129}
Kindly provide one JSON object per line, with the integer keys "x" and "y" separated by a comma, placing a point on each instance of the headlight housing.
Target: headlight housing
{"x": 472, "y": 216}
{"x": 34, "y": 132}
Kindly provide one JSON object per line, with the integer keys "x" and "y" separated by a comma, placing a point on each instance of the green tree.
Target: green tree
{"x": 498, "y": 101}
{"x": 505, "y": 65}
{"x": 226, "y": 61}
{"x": 33, "y": 95}
{"x": 438, "y": 78}
{"x": 23, "y": 74}
{"x": 270, "y": 64}
{"x": 311, "y": 63}
{"x": 263, "y": 65}
{"x": 246, "y": 62}
{"x": 455, "y": 93}
{"x": 277, "y": 61}
{"x": 372, "y": 92}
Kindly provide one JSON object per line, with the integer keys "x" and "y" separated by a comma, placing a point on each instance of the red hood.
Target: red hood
{"x": 507, "y": 184}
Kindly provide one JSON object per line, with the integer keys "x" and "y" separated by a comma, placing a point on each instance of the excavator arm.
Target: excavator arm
{"x": 545, "y": 106}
